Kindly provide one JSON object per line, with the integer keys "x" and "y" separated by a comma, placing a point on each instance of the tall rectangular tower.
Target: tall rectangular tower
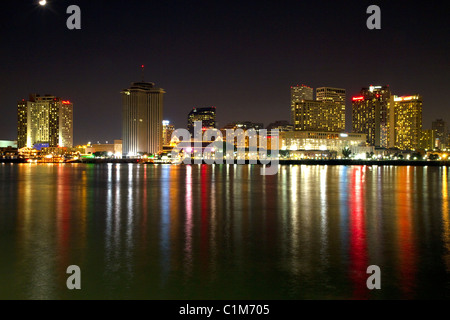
{"x": 142, "y": 116}
{"x": 370, "y": 113}
{"x": 299, "y": 94}
{"x": 407, "y": 114}
{"x": 336, "y": 98}
{"x": 310, "y": 115}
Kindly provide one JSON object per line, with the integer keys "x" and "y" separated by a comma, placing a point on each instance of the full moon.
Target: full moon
{"x": 43, "y": 2}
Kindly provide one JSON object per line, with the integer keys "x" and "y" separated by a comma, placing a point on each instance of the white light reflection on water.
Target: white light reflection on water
{"x": 165, "y": 223}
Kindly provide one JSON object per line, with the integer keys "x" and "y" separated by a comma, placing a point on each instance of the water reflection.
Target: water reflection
{"x": 206, "y": 232}
{"x": 165, "y": 223}
{"x": 407, "y": 248}
{"x": 446, "y": 217}
{"x": 358, "y": 245}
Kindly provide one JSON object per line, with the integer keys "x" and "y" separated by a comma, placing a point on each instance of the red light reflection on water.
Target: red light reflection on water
{"x": 358, "y": 241}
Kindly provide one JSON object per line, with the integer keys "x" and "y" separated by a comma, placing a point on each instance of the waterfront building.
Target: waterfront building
{"x": 142, "y": 116}
{"x": 298, "y": 94}
{"x": 324, "y": 141}
{"x": 370, "y": 114}
{"x": 335, "y": 96}
{"x": 406, "y": 122}
{"x": 111, "y": 149}
{"x": 8, "y": 144}
{"x": 44, "y": 121}
{"x": 310, "y": 115}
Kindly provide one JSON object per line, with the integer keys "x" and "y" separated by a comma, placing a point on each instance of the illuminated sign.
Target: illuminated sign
{"x": 407, "y": 98}
{"x": 371, "y": 88}
{"x": 66, "y": 102}
{"x": 358, "y": 98}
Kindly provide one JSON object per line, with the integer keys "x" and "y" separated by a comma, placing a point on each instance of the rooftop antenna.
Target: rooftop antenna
{"x": 143, "y": 69}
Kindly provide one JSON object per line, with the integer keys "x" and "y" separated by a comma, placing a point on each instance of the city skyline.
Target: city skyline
{"x": 199, "y": 153}
{"x": 199, "y": 56}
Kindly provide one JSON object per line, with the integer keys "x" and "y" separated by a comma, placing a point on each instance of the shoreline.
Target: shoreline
{"x": 332, "y": 162}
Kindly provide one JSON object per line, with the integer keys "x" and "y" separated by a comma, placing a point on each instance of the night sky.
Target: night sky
{"x": 239, "y": 56}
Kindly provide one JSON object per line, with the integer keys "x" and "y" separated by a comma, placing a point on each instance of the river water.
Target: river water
{"x": 223, "y": 231}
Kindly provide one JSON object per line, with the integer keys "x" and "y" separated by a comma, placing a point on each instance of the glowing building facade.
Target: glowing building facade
{"x": 44, "y": 121}
{"x": 310, "y": 115}
{"x": 298, "y": 94}
{"x": 370, "y": 114}
{"x": 142, "y": 116}
{"x": 323, "y": 141}
{"x": 336, "y": 98}
{"x": 406, "y": 122}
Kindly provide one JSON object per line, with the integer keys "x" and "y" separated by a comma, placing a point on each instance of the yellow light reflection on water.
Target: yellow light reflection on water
{"x": 445, "y": 217}
{"x": 407, "y": 258}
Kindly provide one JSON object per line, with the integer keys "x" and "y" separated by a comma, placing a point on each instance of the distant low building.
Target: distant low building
{"x": 324, "y": 141}
{"x": 281, "y": 126}
{"x": 8, "y": 143}
{"x": 112, "y": 149}
{"x": 8, "y": 153}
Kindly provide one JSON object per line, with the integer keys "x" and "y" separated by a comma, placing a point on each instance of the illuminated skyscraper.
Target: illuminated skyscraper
{"x": 298, "y": 94}
{"x": 44, "y": 121}
{"x": 310, "y": 115}
{"x": 370, "y": 114}
{"x": 142, "y": 116}
{"x": 407, "y": 122}
{"x": 336, "y": 98}
{"x": 206, "y": 115}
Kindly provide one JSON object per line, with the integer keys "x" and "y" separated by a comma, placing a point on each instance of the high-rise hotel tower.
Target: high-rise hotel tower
{"x": 405, "y": 119}
{"x": 327, "y": 113}
{"x": 335, "y": 98}
{"x": 44, "y": 121}
{"x": 388, "y": 120}
{"x": 370, "y": 112}
{"x": 142, "y": 116}
{"x": 298, "y": 94}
